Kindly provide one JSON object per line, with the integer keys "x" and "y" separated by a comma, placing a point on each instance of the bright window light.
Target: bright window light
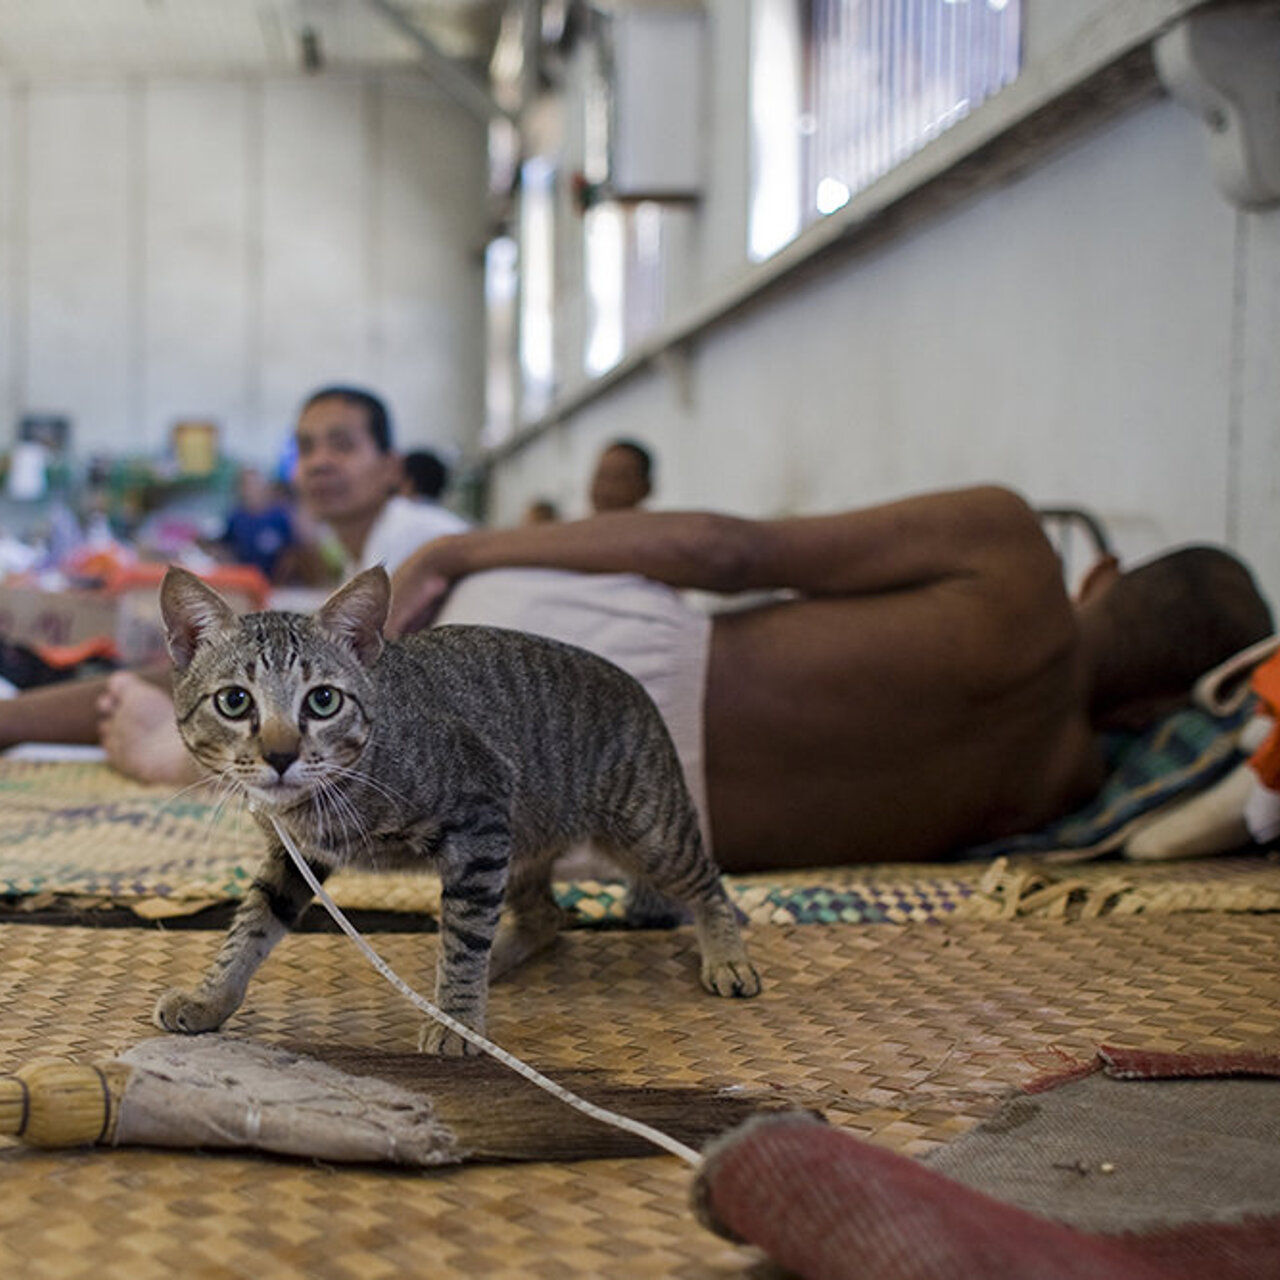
{"x": 832, "y": 194}
{"x": 778, "y": 123}
{"x": 537, "y": 299}
{"x": 842, "y": 91}
{"x": 605, "y": 249}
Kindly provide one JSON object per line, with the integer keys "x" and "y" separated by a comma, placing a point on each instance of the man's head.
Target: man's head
{"x": 541, "y": 511}
{"x": 425, "y": 475}
{"x": 346, "y": 467}
{"x": 1161, "y": 626}
{"x": 253, "y": 490}
{"x": 623, "y": 477}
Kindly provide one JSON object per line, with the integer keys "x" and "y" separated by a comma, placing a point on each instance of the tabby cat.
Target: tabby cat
{"x": 481, "y": 752}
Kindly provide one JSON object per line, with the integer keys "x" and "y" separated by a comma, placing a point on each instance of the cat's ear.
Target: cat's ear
{"x": 355, "y": 614}
{"x": 192, "y": 611}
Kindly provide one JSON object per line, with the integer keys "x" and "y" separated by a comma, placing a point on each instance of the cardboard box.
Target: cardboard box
{"x": 35, "y": 618}
{"x": 127, "y": 615}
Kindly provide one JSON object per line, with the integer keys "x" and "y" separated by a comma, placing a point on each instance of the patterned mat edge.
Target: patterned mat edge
{"x": 884, "y": 894}
{"x": 78, "y": 837}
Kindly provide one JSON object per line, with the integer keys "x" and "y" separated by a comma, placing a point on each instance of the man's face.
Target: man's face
{"x": 618, "y": 483}
{"x": 342, "y": 475}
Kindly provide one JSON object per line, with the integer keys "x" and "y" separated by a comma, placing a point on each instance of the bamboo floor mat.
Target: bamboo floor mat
{"x": 81, "y": 837}
{"x": 908, "y": 1036}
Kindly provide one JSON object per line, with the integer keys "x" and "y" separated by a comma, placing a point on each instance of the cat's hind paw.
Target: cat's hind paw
{"x": 731, "y": 978}
{"x": 179, "y": 1010}
{"x": 646, "y": 908}
{"x": 515, "y": 944}
{"x": 436, "y": 1038}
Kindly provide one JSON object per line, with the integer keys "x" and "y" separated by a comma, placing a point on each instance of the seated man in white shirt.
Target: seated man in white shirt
{"x": 348, "y": 478}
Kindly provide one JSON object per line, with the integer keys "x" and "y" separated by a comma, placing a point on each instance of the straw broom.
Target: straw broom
{"x": 216, "y": 1091}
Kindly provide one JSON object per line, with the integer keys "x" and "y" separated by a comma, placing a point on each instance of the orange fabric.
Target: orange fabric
{"x": 71, "y": 655}
{"x": 96, "y": 562}
{"x": 1266, "y": 760}
{"x": 245, "y": 578}
{"x": 117, "y": 574}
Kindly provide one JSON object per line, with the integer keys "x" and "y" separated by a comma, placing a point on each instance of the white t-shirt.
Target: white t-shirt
{"x": 398, "y": 532}
{"x": 402, "y": 528}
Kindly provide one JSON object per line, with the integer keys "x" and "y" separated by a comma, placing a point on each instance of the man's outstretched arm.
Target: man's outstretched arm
{"x": 911, "y": 542}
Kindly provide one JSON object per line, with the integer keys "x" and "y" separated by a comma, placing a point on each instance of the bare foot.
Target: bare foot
{"x": 138, "y": 733}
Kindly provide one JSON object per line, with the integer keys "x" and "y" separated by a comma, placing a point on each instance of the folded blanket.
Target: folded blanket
{"x": 1149, "y": 772}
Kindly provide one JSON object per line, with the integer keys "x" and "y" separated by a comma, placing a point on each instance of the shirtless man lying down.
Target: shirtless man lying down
{"x": 922, "y": 682}
{"x": 919, "y": 682}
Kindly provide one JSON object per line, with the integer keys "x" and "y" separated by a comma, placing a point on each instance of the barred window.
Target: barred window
{"x": 842, "y": 91}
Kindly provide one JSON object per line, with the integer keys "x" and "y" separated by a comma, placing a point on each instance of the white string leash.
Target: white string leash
{"x": 603, "y": 1114}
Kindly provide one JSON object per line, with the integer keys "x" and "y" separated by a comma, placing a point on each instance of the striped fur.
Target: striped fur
{"x": 480, "y": 752}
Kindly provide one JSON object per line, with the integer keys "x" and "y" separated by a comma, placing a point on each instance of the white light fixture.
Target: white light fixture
{"x": 832, "y": 194}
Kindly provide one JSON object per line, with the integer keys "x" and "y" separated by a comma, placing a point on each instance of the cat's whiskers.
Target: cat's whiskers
{"x": 375, "y": 785}
{"x": 169, "y": 801}
{"x": 323, "y": 814}
{"x": 216, "y": 779}
{"x": 352, "y": 843}
{"x": 325, "y": 779}
{"x": 227, "y": 790}
{"x": 324, "y": 817}
{"x": 348, "y": 816}
{"x": 233, "y": 792}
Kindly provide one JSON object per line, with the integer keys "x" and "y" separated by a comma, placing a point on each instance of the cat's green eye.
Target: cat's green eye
{"x": 323, "y": 701}
{"x": 233, "y": 702}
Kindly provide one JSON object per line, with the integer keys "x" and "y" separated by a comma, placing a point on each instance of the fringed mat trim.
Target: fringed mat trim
{"x": 1006, "y": 891}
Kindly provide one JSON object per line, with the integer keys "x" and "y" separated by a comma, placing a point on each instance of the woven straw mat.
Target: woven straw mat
{"x": 80, "y": 834}
{"x": 908, "y": 1036}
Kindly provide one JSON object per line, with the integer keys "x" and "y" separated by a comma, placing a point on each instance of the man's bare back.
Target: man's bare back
{"x": 918, "y": 687}
{"x": 826, "y": 745}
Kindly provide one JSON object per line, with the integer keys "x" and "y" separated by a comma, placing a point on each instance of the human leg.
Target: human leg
{"x": 65, "y": 712}
{"x": 138, "y": 732}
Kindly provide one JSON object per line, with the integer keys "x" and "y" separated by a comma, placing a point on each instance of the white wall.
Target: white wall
{"x": 215, "y": 249}
{"x": 1101, "y": 330}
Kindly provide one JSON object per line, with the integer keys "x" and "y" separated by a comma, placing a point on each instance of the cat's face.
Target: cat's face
{"x": 288, "y": 720}
{"x": 277, "y": 704}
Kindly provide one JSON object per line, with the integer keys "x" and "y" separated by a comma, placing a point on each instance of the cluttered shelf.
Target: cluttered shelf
{"x": 83, "y": 543}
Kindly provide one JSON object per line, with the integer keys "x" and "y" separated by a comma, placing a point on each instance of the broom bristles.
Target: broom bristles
{"x": 498, "y": 1116}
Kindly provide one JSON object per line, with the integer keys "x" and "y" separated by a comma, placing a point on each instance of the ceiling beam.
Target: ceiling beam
{"x": 463, "y": 87}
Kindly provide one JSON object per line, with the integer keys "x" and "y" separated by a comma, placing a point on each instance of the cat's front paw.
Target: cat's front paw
{"x": 731, "y": 978}
{"x": 181, "y": 1011}
{"x": 438, "y": 1039}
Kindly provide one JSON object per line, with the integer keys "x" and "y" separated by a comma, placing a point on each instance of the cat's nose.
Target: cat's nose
{"x": 280, "y": 760}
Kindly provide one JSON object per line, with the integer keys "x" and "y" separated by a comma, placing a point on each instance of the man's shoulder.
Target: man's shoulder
{"x": 403, "y": 527}
{"x": 429, "y": 517}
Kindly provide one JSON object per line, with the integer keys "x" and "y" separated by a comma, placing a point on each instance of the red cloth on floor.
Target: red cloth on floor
{"x": 830, "y": 1207}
